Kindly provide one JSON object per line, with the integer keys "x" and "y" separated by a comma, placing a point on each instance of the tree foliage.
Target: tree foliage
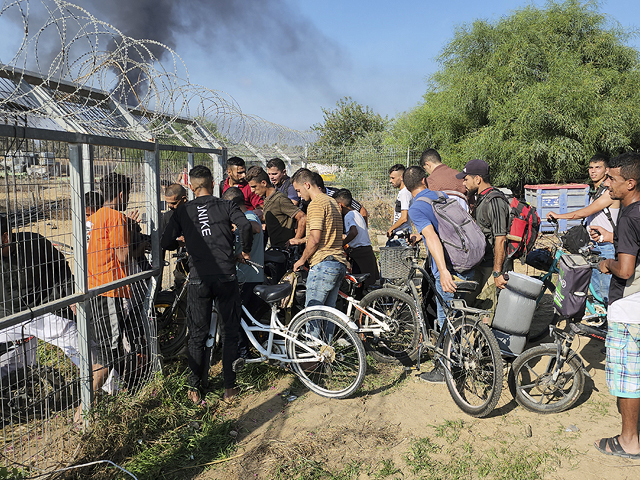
{"x": 348, "y": 124}
{"x": 536, "y": 94}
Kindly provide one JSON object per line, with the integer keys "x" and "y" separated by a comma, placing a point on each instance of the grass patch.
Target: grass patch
{"x": 450, "y": 430}
{"x": 157, "y": 431}
{"x": 160, "y": 433}
{"x": 382, "y": 378}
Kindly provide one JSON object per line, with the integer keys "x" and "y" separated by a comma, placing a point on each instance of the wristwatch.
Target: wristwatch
{"x": 497, "y": 274}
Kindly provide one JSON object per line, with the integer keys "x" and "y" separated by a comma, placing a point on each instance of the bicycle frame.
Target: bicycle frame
{"x": 277, "y": 329}
{"x": 378, "y": 318}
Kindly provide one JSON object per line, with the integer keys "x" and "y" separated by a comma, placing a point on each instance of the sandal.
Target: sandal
{"x": 194, "y": 396}
{"x": 615, "y": 448}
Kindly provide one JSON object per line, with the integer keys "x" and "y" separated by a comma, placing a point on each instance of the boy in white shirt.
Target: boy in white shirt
{"x": 359, "y": 251}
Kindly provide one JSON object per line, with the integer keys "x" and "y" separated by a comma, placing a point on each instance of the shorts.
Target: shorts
{"x": 623, "y": 359}
{"x": 105, "y": 320}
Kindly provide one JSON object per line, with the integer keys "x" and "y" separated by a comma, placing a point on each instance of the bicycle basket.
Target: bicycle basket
{"x": 395, "y": 262}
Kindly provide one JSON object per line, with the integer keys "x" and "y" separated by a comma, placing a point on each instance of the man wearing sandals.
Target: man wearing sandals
{"x": 623, "y": 337}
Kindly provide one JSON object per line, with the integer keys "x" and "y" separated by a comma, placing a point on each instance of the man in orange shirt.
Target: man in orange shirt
{"x": 108, "y": 255}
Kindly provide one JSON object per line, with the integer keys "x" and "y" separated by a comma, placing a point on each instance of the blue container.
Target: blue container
{"x": 559, "y": 199}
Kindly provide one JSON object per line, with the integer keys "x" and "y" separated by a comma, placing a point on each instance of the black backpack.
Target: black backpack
{"x": 575, "y": 238}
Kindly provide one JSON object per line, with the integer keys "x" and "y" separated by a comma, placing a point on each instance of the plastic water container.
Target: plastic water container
{"x": 516, "y": 304}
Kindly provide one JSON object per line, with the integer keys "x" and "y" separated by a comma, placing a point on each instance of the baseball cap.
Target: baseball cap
{"x": 474, "y": 167}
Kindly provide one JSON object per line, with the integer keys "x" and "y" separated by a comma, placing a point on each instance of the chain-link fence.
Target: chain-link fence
{"x": 364, "y": 170}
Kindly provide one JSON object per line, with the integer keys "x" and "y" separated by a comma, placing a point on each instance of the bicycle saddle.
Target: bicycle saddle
{"x": 465, "y": 286}
{"x": 272, "y": 293}
{"x": 357, "y": 277}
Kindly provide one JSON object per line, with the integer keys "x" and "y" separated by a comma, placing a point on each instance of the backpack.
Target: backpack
{"x": 575, "y": 238}
{"x": 524, "y": 225}
{"x": 461, "y": 237}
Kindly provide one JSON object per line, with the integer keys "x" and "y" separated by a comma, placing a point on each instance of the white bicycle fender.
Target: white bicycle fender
{"x": 341, "y": 315}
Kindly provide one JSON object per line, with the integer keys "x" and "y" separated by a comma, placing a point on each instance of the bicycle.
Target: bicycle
{"x": 465, "y": 346}
{"x": 320, "y": 344}
{"x": 550, "y": 377}
{"x": 170, "y": 311}
{"x": 387, "y": 320}
{"x": 547, "y": 261}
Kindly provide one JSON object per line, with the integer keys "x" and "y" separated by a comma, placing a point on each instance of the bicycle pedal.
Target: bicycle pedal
{"x": 238, "y": 364}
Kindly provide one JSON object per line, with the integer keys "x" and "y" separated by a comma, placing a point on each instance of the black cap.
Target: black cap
{"x": 474, "y": 167}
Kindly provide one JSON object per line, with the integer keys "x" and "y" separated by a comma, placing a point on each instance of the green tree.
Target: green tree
{"x": 349, "y": 123}
{"x": 536, "y": 94}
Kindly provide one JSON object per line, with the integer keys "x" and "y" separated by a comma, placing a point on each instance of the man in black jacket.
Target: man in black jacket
{"x": 206, "y": 224}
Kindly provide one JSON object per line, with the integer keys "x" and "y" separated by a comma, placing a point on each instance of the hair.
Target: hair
{"x": 304, "y": 175}
{"x": 175, "y": 190}
{"x": 235, "y": 195}
{"x": 4, "y": 224}
{"x": 258, "y": 175}
{"x": 343, "y": 196}
{"x": 629, "y": 165}
{"x": 235, "y": 162}
{"x": 113, "y": 184}
{"x": 430, "y": 155}
{"x": 600, "y": 157}
{"x": 277, "y": 163}
{"x": 93, "y": 199}
{"x": 398, "y": 167}
{"x": 200, "y": 176}
{"x": 413, "y": 177}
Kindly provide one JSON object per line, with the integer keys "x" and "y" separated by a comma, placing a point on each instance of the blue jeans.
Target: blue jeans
{"x": 468, "y": 275}
{"x": 323, "y": 284}
{"x": 599, "y": 280}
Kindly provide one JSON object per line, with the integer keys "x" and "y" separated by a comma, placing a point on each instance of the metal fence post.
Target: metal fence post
{"x": 87, "y": 167}
{"x": 152, "y": 180}
{"x": 190, "y": 165}
{"x": 80, "y": 273}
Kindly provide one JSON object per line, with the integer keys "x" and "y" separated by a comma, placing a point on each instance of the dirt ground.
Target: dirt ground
{"x": 393, "y": 410}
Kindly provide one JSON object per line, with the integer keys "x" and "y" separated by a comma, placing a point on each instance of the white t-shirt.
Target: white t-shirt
{"x": 600, "y": 219}
{"x": 354, "y": 218}
{"x": 403, "y": 202}
{"x": 625, "y": 310}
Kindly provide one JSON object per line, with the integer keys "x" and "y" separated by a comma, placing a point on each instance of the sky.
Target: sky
{"x": 285, "y": 60}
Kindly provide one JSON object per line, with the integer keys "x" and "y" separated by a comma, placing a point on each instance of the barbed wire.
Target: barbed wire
{"x": 93, "y": 76}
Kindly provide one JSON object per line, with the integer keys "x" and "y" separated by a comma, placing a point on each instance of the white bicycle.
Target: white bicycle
{"x": 320, "y": 345}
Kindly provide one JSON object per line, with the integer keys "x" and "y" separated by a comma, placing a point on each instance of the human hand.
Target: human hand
{"x": 446, "y": 280}
{"x": 500, "y": 281}
{"x": 298, "y": 265}
{"x": 415, "y": 239}
{"x": 600, "y": 234}
{"x": 294, "y": 241}
{"x": 390, "y": 233}
{"x": 603, "y": 266}
{"x": 134, "y": 216}
{"x": 551, "y": 216}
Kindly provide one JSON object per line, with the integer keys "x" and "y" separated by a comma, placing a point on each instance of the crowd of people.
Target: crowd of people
{"x": 258, "y": 207}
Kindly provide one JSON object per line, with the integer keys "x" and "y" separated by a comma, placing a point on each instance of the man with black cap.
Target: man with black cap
{"x": 491, "y": 213}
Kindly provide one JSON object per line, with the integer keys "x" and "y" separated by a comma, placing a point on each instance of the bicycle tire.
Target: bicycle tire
{"x": 532, "y": 384}
{"x": 172, "y": 327}
{"x": 401, "y": 343}
{"x": 343, "y": 366}
{"x": 472, "y": 359}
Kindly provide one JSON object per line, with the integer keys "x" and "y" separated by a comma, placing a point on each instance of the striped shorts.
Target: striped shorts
{"x": 623, "y": 359}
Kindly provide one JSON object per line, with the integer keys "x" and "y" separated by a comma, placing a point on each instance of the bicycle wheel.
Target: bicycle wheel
{"x": 532, "y": 379}
{"x": 473, "y": 367}
{"x": 342, "y": 365}
{"x": 172, "y": 325}
{"x": 400, "y": 343}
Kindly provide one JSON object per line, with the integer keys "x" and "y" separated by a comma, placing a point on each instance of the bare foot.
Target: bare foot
{"x": 230, "y": 394}
{"x": 194, "y": 396}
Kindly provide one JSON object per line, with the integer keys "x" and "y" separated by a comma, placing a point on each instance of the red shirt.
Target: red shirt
{"x": 251, "y": 200}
